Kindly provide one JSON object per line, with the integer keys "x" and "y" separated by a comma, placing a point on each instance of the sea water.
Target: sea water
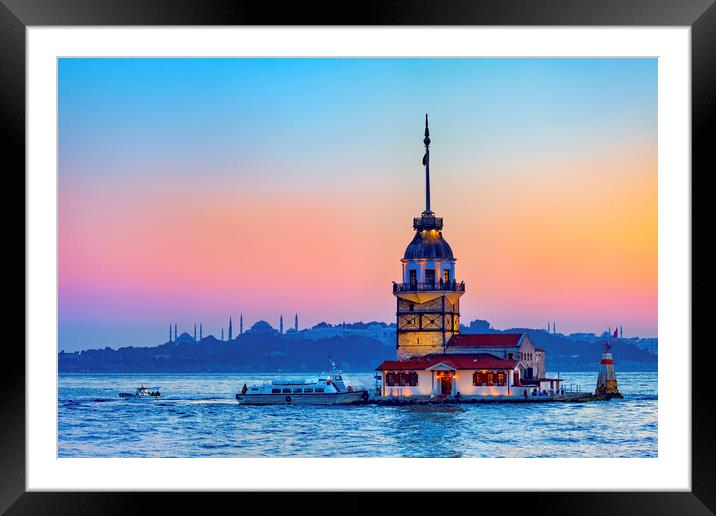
{"x": 197, "y": 416}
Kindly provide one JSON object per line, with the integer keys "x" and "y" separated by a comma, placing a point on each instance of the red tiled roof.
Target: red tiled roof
{"x": 486, "y": 340}
{"x": 456, "y": 361}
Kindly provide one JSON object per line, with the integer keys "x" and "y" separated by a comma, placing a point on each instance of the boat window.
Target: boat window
{"x": 298, "y": 390}
{"x": 338, "y": 378}
{"x": 307, "y": 390}
{"x": 319, "y": 389}
{"x": 286, "y": 391}
{"x": 276, "y": 391}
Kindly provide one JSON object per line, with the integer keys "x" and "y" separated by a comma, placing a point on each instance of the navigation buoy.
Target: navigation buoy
{"x": 607, "y": 379}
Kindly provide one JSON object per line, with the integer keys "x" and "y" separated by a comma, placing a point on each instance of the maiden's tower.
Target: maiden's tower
{"x": 433, "y": 357}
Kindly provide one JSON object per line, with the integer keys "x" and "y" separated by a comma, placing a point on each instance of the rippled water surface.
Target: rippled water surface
{"x": 197, "y": 416}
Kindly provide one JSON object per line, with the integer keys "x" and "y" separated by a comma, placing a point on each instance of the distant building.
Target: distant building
{"x": 262, "y": 327}
{"x": 380, "y": 332}
{"x": 480, "y": 325}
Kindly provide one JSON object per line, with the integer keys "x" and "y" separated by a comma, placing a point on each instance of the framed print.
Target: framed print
{"x": 445, "y": 248}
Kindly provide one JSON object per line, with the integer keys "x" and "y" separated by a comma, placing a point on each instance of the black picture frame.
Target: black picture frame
{"x": 17, "y": 15}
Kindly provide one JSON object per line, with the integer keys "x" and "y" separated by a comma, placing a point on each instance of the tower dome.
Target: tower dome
{"x": 428, "y": 244}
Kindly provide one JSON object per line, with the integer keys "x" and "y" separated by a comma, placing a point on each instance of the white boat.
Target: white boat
{"x": 141, "y": 392}
{"x": 328, "y": 388}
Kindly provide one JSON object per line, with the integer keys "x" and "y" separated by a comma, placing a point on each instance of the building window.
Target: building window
{"x": 430, "y": 276}
{"x": 446, "y": 276}
{"x": 489, "y": 378}
{"x": 401, "y": 379}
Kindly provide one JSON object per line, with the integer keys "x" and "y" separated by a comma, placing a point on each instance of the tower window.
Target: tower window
{"x": 413, "y": 277}
{"x": 446, "y": 276}
{"x": 430, "y": 276}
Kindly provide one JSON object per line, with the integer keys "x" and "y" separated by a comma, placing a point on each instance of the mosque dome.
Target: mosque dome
{"x": 428, "y": 244}
{"x": 262, "y": 327}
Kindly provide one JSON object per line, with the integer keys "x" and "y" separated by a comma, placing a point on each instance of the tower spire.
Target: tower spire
{"x": 426, "y": 163}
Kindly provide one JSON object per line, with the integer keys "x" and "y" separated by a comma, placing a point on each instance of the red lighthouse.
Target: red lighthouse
{"x": 607, "y": 380}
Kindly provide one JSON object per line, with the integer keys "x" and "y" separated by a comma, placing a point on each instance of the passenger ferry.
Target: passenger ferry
{"x": 329, "y": 388}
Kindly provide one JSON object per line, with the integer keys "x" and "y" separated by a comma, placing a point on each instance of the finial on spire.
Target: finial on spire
{"x": 426, "y": 163}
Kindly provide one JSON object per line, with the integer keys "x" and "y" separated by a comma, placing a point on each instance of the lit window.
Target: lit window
{"x": 489, "y": 378}
{"x": 401, "y": 378}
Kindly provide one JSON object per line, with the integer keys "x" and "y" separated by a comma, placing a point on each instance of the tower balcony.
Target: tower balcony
{"x": 427, "y": 221}
{"x": 450, "y": 286}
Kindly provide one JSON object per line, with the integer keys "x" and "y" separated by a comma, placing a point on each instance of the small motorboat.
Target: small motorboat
{"x": 329, "y": 388}
{"x": 141, "y": 392}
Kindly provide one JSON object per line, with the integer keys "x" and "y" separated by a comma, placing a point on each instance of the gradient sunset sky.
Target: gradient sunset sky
{"x": 195, "y": 189}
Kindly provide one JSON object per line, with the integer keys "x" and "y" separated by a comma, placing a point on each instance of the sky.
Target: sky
{"x": 191, "y": 190}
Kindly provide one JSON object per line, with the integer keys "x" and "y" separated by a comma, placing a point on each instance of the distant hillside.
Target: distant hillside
{"x": 248, "y": 353}
{"x": 269, "y": 352}
{"x": 566, "y": 354}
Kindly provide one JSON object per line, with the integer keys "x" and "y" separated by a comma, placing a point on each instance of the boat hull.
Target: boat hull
{"x": 331, "y": 398}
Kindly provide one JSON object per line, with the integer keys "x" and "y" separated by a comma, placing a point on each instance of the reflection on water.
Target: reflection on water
{"x": 197, "y": 415}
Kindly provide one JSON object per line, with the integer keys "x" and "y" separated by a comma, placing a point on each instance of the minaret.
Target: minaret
{"x": 621, "y": 332}
{"x": 201, "y": 331}
{"x": 222, "y": 334}
{"x": 241, "y": 324}
{"x": 170, "y": 333}
{"x": 547, "y": 326}
{"x": 428, "y": 299}
{"x": 554, "y": 327}
{"x": 231, "y": 330}
{"x": 175, "y": 331}
{"x": 295, "y": 323}
{"x": 194, "y": 331}
{"x": 280, "y": 325}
